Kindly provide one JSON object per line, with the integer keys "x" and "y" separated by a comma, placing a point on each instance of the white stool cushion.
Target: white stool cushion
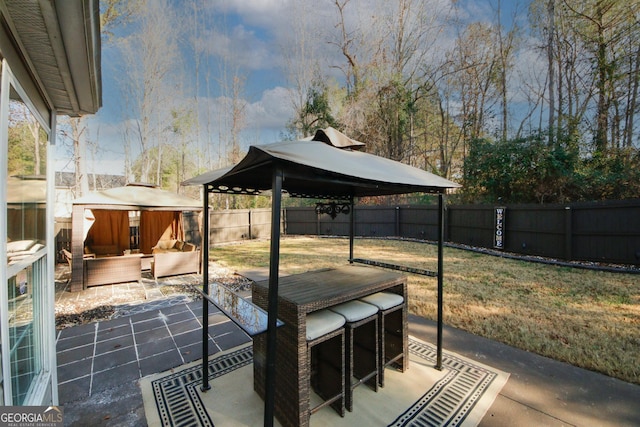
{"x": 354, "y": 310}
{"x": 322, "y": 322}
{"x": 384, "y": 300}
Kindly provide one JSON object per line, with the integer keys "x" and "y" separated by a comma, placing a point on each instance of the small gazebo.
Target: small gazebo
{"x": 102, "y": 218}
{"x": 331, "y": 167}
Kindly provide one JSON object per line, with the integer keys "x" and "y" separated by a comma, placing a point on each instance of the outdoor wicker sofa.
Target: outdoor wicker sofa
{"x": 115, "y": 269}
{"x": 173, "y": 257}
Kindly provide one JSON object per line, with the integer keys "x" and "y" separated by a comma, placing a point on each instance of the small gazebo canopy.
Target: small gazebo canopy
{"x": 326, "y": 167}
{"x": 139, "y": 197}
{"x": 104, "y": 217}
{"x": 318, "y": 170}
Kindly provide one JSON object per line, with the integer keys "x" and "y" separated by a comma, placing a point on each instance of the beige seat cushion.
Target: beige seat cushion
{"x": 384, "y": 300}
{"x": 353, "y": 311}
{"x": 322, "y": 322}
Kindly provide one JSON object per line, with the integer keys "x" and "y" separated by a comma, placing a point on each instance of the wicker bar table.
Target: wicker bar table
{"x": 299, "y": 295}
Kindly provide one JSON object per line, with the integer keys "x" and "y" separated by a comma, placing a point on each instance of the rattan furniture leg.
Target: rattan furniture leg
{"x": 325, "y": 347}
{"x": 361, "y": 355}
{"x": 392, "y": 325}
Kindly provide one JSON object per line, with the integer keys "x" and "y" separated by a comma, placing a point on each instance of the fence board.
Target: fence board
{"x": 301, "y": 221}
{"x": 601, "y": 232}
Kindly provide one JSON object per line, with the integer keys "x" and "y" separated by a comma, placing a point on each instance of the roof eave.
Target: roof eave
{"x": 83, "y": 54}
{"x": 60, "y": 44}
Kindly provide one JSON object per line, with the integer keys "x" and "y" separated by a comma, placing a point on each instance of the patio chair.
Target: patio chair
{"x": 325, "y": 349}
{"x": 361, "y": 355}
{"x": 68, "y": 257}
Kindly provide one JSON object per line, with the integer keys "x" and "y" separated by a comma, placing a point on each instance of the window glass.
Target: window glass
{"x": 26, "y": 244}
{"x": 26, "y": 182}
{"x": 24, "y": 363}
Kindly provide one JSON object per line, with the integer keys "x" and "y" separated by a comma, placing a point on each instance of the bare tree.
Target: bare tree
{"x": 507, "y": 45}
{"x": 151, "y": 87}
{"x": 347, "y": 43}
{"x": 80, "y": 150}
{"x": 477, "y": 63}
{"x": 632, "y": 104}
{"x": 301, "y": 65}
{"x": 386, "y": 54}
{"x": 591, "y": 48}
{"x": 113, "y": 14}
{"x": 238, "y": 117}
{"x": 551, "y": 73}
{"x": 603, "y": 28}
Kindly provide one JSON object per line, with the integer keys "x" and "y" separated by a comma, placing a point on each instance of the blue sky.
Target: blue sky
{"x": 252, "y": 35}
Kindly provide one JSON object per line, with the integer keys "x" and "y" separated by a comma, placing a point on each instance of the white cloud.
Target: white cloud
{"x": 272, "y": 111}
{"x": 262, "y": 13}
{"x": 242, "y": 47}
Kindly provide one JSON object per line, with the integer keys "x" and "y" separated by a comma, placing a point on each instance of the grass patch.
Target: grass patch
{"x": 587, "y": 318}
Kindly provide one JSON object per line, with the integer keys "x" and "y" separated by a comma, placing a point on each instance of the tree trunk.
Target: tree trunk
{"x": 633, "y": 99}
{"x": 550, "y": 49}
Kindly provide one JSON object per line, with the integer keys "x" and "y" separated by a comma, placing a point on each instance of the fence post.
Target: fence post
{"x": 568, "y": 233}
{"x": 250, "y": 235}
{"x": 397, "y": 230}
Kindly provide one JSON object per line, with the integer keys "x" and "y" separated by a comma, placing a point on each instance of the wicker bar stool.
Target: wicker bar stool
{"x": 325, "y": 349}
{"x": 361, "y": 354}
{"x": 391, "y": 326}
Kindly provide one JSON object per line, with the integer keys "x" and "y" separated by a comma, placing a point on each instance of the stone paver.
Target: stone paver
{"x": 94, "y": 357}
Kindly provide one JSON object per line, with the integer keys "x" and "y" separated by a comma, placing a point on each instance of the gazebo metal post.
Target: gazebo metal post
{"x": 440, "y": 276}
{"x": 205, "y": 289}
{"x": 352, "y": 228}
{"x": 272, "y": 304}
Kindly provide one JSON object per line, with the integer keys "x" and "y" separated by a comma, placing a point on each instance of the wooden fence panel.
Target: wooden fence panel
{"x": 470, "y": 225}
{"x": 228, "y": 226}
{"x": 536, "y": 230}
{"x": 260, "y": 222}
{"x": 239, "y": 224}
{"x": 333, "y": 227}
{"x": 417, "y": 222}
{"x": 301, "y": 221}
{"x": 372, "y": 221}
{"x": 607, "y": 232}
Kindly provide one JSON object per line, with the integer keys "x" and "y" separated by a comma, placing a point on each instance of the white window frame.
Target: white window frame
{"x": 43, "y": 388}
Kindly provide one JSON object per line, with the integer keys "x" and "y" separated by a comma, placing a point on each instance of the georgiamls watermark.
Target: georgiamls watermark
{"x": 31, "y": 416}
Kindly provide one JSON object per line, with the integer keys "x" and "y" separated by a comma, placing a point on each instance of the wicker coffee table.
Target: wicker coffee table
{"x": 299, "y": 295}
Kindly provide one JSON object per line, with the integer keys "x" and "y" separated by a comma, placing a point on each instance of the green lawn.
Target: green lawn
{"x": 587, "y": 318}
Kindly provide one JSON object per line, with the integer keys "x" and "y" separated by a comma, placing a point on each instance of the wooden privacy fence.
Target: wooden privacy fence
{"x": 601, "y": 232}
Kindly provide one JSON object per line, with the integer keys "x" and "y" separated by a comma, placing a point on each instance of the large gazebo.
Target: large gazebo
{"x": 102, "y": 217}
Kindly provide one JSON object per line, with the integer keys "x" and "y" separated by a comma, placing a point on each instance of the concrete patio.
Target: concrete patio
{"x": 99, "y": 365}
